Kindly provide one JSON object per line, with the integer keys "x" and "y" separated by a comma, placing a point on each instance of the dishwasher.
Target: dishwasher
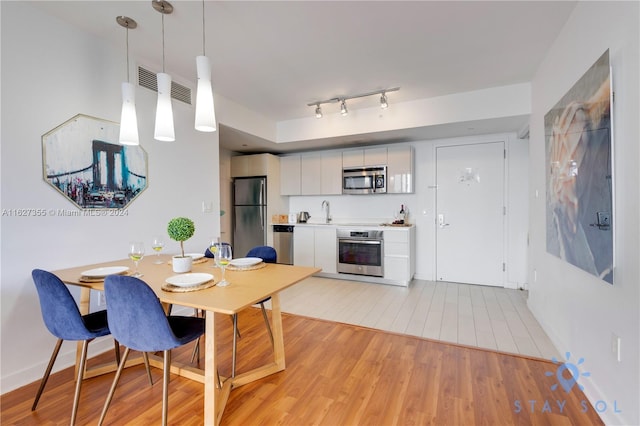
{"x": 283, "y": 243}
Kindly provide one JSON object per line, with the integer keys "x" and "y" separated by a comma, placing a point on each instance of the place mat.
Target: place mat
{"x": 84, "y": 279}
{"x": 246, "y": 268}
{"x": 195, "y": 262}
{"x": 177, "y": 289}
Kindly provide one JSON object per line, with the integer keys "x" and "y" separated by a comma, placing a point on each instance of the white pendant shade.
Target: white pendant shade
{"x": 164, "y": 130}
{"x": 205, "y": 112}
{"x": 128, "y": 118}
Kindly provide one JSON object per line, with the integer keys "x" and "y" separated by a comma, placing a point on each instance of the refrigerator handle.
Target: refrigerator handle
{"x": 262, "y": 218}
{"x": 262, "y": 190}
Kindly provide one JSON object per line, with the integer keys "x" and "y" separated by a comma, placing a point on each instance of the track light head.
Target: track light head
{"x": 383, "y": 101}
{"x": 343, "y": 107}
{"x": 318, "y": 111}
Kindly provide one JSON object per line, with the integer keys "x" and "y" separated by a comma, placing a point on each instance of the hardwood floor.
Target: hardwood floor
{"x": 337, "y": 374}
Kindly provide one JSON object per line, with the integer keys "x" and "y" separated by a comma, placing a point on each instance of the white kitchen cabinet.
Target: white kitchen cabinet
{"x": 311, "y": 174}
{"x": 353, "y": 158}
{"x": 331, "y": 173}
{"x": 318, "y": 173}
{"x": 399, "y": 259}
{"x": 326, "y": 250}
{"x": 315, "y": 246}
{"x": 364, "y": 157}
{"x": 400, "y": 170}
{"x": 303, "y": 246}
{"x": 290, "y": 175}
{"x": 375, "y": 156}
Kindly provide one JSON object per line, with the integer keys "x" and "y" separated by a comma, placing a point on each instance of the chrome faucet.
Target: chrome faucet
{"x": 325, "y": 203}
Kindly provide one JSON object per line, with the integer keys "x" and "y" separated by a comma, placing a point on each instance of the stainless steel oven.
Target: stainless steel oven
{"x": 361, "y": 252}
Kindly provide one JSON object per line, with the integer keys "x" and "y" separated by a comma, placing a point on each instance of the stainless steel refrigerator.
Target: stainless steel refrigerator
{"x": 249, "y": 214}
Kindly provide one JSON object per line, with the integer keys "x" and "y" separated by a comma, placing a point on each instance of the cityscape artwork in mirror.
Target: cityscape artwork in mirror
{"x": 83, "y": 160}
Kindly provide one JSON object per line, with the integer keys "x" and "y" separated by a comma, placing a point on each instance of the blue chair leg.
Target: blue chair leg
{"x": 165, "y": 386}
{"x": 76, "y": 399}
{"x": 113, "y": 386}
{"x": 47, "y": 372}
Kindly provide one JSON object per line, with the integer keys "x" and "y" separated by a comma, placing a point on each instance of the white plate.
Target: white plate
{"x": 189, "y": 280}
{"x": 195, "y": 256}
{"x": 103, "y": 272}
{"x": 245, "y": 261}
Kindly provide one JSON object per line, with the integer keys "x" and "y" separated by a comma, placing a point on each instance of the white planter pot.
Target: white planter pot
{"x": 181, "y": 264}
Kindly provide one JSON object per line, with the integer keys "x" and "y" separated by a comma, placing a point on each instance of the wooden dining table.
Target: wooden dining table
{"x": 247, "y": 287}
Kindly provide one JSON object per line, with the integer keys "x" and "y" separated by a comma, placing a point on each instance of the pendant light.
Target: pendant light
{"x": 128, "y": 117}
{"x": 205, "y": 112}
{"x": 164, "y": 130}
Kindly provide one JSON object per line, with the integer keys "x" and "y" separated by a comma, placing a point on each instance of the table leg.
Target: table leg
{"x": 83, "y": 306}
{"x": 210, "y": 371}
{"x": 278, "y": 335}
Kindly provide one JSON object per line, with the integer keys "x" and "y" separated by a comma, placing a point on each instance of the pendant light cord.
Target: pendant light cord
{"x": 203, "y": 27}
{"x": 162, "y": 42}
{"x": 128, "y": 81}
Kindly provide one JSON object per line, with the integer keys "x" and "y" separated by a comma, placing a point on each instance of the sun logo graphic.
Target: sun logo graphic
{"x": 567, "y": 384}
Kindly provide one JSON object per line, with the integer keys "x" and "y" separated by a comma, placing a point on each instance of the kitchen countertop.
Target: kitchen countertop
{"x": 378, "y": 225}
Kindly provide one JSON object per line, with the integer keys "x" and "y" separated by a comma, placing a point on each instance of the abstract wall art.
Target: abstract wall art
{"x": 579, "y": 174}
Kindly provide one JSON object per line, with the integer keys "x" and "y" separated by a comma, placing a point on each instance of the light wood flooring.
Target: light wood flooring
{"x": 487, "y": 317}
{"x": 337, "y": 375}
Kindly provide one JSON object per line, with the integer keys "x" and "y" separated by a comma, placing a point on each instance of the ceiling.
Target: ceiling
{"x": 275, "y": 57}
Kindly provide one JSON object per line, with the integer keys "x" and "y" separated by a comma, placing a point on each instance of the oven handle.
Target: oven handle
{"x": 352, "y": 241}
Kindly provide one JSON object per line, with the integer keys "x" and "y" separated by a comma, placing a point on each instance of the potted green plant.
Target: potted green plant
{"x": 181, "y": 229}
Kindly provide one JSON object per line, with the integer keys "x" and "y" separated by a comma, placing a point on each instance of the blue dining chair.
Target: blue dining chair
{"x": 138, "y": 321}
{"x": 268, "y": 254}
{"x": 63, "y": 319}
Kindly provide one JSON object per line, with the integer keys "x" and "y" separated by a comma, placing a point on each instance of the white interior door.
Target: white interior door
{"x": 470, "y": 213}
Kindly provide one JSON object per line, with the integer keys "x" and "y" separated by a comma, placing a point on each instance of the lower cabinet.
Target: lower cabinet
{"x": 399, "y": 263}
{"x": 315, "y": 246}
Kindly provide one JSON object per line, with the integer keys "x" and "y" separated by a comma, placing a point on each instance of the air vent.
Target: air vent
{"x": 148, "y": 79}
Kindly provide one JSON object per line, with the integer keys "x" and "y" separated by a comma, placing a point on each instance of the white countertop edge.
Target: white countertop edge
{"x": 355, "y": 225}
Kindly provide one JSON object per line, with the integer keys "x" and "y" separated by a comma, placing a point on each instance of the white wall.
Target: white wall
{"x": 578, "y": 311}
{"x": 421, "y": 205}
{"x": 51, "y": 72}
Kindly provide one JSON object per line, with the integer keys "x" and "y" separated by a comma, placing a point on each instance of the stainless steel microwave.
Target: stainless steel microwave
{"x": 364, "y": 180}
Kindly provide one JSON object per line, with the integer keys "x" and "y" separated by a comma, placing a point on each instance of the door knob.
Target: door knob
{"x": 441, "y": 222}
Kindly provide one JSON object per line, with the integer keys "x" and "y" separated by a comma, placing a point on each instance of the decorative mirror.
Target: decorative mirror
{"x": 83, "y": 160}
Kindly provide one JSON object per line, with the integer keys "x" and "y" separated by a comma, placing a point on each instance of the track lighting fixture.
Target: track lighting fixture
{"x": 383, "y": 101}
{"x": 164, "y": 130}
{"x": 343, "y": 100}
{"x": 343, "y": 107}
{"x": 128, "y": 117}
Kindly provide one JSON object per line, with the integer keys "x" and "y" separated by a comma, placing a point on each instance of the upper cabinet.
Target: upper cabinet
{"x": 400, "y": 170}
{"x": 320, "y": 172}
{"x": 290, "y": 175}
{"x": 317, "y": 173}
{"x": 311, "y": 174}
{"x": 331, "y": 162}
{"x": 364, "y": 157}
{"x": 251, "y": 165}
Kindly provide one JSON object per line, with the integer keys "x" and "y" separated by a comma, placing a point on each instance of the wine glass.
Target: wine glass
{"x": 223, "y": 257}
{"x": 157, "y": 246}
{"x": 213, "y": 248}
{"x": 136, "y": 253}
